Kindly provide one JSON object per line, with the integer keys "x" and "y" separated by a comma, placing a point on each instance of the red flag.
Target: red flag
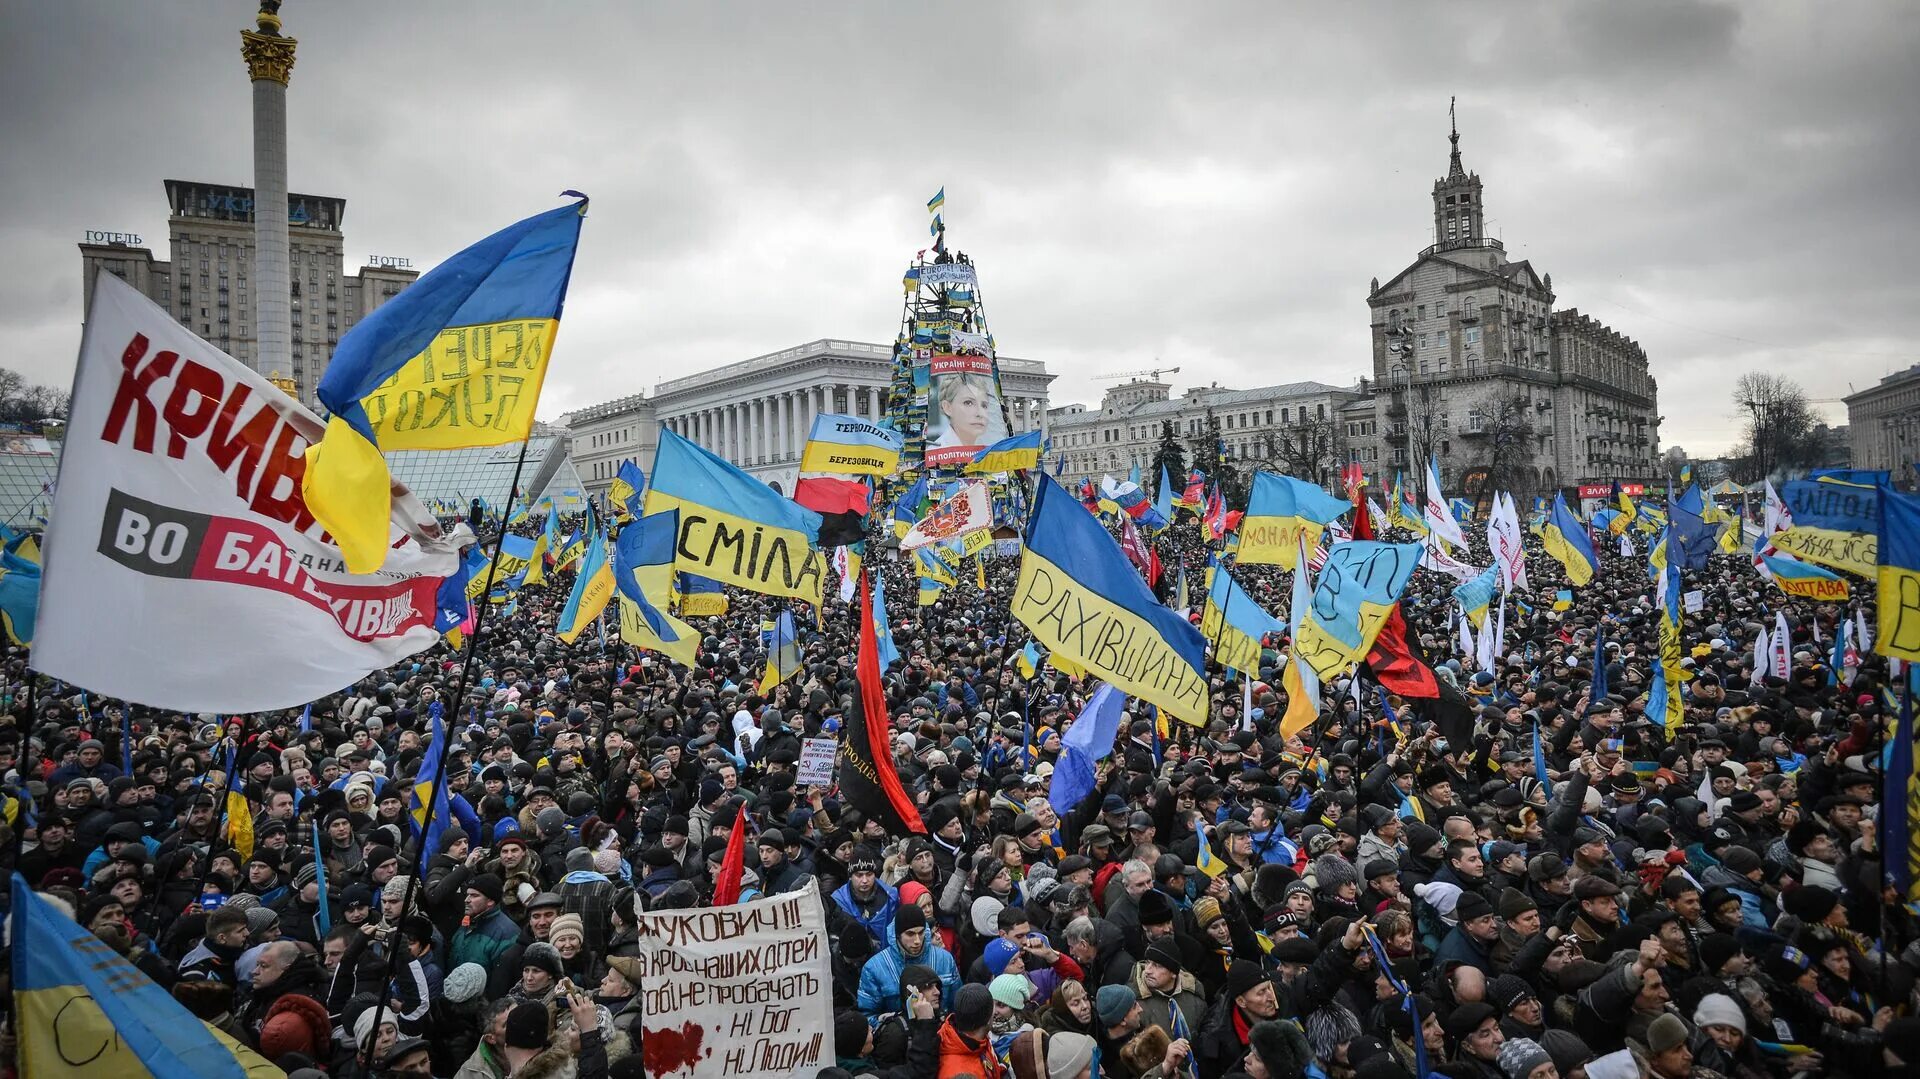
{"x": 1394, "y": 663}
{"x": 1362, "y": 521}
{"x": 1132, "y": 544}
{"x": 1153, "y": 568}
{"x": 726, "y": 885}
{"x": 868, "y": 781}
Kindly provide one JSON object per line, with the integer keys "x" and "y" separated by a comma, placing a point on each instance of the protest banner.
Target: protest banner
{"x": 180, "y": 510}
{"x": 739, "y": 992}
{"x": 1694, "y": 601}
{"x": 816, "y": 761}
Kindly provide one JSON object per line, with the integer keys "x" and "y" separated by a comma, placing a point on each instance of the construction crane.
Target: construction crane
{"x": 1154, "y": 374}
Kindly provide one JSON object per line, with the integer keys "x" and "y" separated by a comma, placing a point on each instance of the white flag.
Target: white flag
{"x": 968, "y": 509}
{"x": 1433, "y": 507}
{"x": 183, "y": 568}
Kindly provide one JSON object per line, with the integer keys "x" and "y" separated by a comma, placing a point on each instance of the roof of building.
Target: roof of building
{"x": 28, "y": 465}
{"x": 1206, "y": 398}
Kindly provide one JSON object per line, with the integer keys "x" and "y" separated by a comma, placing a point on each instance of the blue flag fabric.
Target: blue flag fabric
{"x": 1598, "y": 692}
{"x": 72, "y": 990}
{"x": 889, "y": 652}
{"x": 320, "y": 879}
{"x": 1086, "y": 742}
{"x": 428, "y": 800}
{"x": 1690, "y": 539}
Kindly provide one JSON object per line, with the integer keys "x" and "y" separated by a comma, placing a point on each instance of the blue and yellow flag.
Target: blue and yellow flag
{"x": 1835, "y": 524}
{"x": 1664, "y": 701}
{"x": 1797, "y": 578}
{"x": 1234, "y": 623}
{"x": 515, "y": 555}
{"x": 850, "y": 446}
{"x": 643, "y": 577}
{"x": 81, "y": 1010}
{"x": 889, "y": 652}
{"x": 938, "y": 200}
{"x": 629, "y": 485}
{"x": 1027, "y": 661}
{"x": 1015, "y": 454}
{"x": 1567, "y": 540}
{"x": 1628, "y": 513}
{"x": 906, "y": 508}
{"x": 592, "y": 588}
{"x": 19, "y": 593}
{"x": 1163, "y": 497}
{"x": 1900, "y": 796}
{"x": 455, "y": 361}
{"x": 700, "y": 597}
{"x": 733, "y": 528}
{"x": 1476, "y": 596}
{"x": 1083, "y": 600}
{"x": 1279, "y": 511}
{"x": 1562, "y": 599}
{"x": 1204, "y": 859}
{"x": 1899, "y": 577}
{"x": 1358, "y": 588}
{"x": 783, "y": 655}
{"x": 427, "y": 801}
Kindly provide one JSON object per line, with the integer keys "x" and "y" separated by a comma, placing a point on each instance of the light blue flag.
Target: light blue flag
{"x": 882, "y": 633}
{"x": 1356, "y": 591}
{"x": 320, "y": 880}
{"x": 306, "y": 720}
{"x": 75, "y": 994}
{"x": 1476, "y": 595}
{"x": 19, "y": 596}
{"x": 1086, "y": 742}
{"x": 1163, "y": 498}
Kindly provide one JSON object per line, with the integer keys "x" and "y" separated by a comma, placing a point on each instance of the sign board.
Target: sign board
{"x": 740, "y": 992}
{"x": 389, "y": 262}
{"x": 1605, "y": 490}
{"x": 1694, "y": 602}
{"x": 816, "y": 762}
{"x": 115, "y": 239}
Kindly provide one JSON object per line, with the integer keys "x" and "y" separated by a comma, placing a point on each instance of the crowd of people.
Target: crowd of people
{"x": 1368, "y": 898}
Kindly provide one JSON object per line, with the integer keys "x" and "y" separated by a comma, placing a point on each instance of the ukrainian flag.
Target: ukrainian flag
{"x": 701, "y": 597}
{"x": 1476, "y": 595}
{"x": 906, "y": 508}
{"x": 783, "y": 657}
{"x": 1085, "y": 602}
{"x": 1567, "y": 540}
{"x": 1664, "y": 699}
{"x": 1234, "y": 623}
{"x": 1899, "y": 577}
{"x": 882, "y": 632}
{"x": 1016, "y": 454}
{"x": 1627, "y": 513}
{"x": 938, "y": 200}
{"x": 19, "y": 595}
{"x": 911, "y": 281}
{"x": 1358, "y": 589}
{"x": 543, "y": 548}
{"x": 1204, "y": 859}
{"x": 1797, "y": 578}
{"x": 628, "y": 485}
{"x": 455, "y": 361}
{"x": 1563, "y": 599}
{"x": 75, "y": 999}
{"x": 643, "y": 576}
{"x": 733, "y": 528}
{"x": 427, "y": 802}
{"x": 1899, "y": 839}
{"x": 1027, "y": 661}
{"x": 1279, "y": 511}
{"x": 239, "y": 824}
{"x": 592, "y": 588}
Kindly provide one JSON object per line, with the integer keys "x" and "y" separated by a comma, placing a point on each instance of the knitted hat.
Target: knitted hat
{"x": 1467, "y": 1018}
{"x": 1113, "y": 1002}
{"x": 1013, "y": 990}
{"x": 1472, "y": 905}
{"x": 490, "y": 886}
{"x": 972, "y": 1007}
{"x": 464, "y": 982}
{"x": 1164, "y": 953}
{"x": 1242, "y": 976}
{"x": 1719, "y": 1010}
{"x": 542, "y": 956}
{"x": 1519, "y": 1056}
{"x": 908, "y": 917}
{"x": 1785, "y": 964}
{"x": 1666, "y": 1032}
{"x": 850, "y": 1032}
{"x": 999, "y": 952}
{"x": 1206, "y": 911}
{"x": 1507, "y": 992}
{"x": 527, "y": 1025}
{"x": 567, "y": 925}
{"x": 1439, "y": 895}
{"x": 1068, "y": 1054}
{"x": 1715, "y": 950}
{"x": 1331, "y": 871}
{"x": 1810, "y": 903}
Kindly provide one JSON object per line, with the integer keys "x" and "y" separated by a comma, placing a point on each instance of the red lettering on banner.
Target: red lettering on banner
{"x": 238, "y": 552}
{"x": 265, "y": 456}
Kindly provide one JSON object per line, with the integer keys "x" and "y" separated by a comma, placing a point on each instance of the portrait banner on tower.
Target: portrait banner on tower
{"x": 964, "y": 412}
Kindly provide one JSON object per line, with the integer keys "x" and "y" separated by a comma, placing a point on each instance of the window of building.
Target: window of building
{"x": 1422, "y": 309}
{"x": 1322, "y": 413}
{"x": 1473, "y": 336}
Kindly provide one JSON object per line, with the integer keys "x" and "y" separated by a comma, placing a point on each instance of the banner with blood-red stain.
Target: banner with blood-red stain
{"x": 739, "y": 992}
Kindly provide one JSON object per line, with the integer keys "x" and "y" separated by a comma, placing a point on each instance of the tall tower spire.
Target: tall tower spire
{"x": 1458, "y": 217}
{"x": 269, "y": 57}
{"x": 1454, "y": 171}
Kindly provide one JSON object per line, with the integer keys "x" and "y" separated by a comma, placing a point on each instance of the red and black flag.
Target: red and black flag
{"x": 1395, "y": 661}
{"x": 868, "y": 781}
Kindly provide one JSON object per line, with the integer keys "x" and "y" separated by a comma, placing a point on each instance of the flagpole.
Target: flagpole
{"x": 440, "y": 767}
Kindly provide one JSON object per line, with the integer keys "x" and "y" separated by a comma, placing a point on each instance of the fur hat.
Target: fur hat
{"x": 1330, "y": 871}
{"x": 297, "y": 1024}
{"x": 1281, "y": 1046}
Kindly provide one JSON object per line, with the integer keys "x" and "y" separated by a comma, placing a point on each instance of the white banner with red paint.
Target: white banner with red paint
{"x": 182, "y": 567}
{"x": 739, "y": 992}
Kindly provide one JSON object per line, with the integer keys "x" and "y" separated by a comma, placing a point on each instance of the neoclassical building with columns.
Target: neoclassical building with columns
{"x": 756, "y": 413}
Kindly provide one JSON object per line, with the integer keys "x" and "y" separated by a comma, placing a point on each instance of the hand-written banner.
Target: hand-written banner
{"x": 473, "y": 386}
{"x": 739, "y": 992}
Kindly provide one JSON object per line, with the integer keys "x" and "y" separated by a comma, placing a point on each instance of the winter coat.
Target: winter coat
{"x": 880, "y": 976}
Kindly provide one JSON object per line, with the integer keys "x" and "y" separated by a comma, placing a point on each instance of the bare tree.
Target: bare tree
{"x": 1508, "y": 426}
{"x": 1312, "y": 450}
{"x": 1779, "y": 426}
{"x": 26, "y": 404}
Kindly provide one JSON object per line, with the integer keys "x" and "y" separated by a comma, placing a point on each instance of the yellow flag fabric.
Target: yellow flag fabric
{"x": 239, "y": 822}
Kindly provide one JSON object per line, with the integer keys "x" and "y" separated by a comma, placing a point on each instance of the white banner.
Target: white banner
{"x": 182, "y": 567}
{"x": 817, "y": 758}
{"x": 946, "y": 273}
{"x": 740, "y": 992}
{"x": 970, "y": 509}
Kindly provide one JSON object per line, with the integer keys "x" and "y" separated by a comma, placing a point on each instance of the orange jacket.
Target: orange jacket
{"x": 962, "y": 1056}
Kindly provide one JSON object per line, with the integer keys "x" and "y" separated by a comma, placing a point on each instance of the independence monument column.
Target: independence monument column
{"x": 269, "y": 59}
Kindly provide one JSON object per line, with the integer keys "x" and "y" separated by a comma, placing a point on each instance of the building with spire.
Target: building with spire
{"x": 1473, "y": 366}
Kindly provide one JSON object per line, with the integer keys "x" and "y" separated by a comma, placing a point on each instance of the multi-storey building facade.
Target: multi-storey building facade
{"x": 756, "y": 413}
{"x": 1295, "y": 427}
{"x": 208, "y": 282}
{"x": 1474, "y": 367}
{"x": 1883, "y": 424}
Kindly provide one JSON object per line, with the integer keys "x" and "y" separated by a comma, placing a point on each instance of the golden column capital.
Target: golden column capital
{"x": 268, "y": 56}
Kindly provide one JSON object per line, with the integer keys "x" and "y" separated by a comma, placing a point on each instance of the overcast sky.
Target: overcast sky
{"x": 1209, "y": 185}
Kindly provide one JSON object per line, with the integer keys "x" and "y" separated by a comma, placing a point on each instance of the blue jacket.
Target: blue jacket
{"x": 880, "y": 977}
{"x": 1458, "y": 946}
{"x": 879, "y": 924}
